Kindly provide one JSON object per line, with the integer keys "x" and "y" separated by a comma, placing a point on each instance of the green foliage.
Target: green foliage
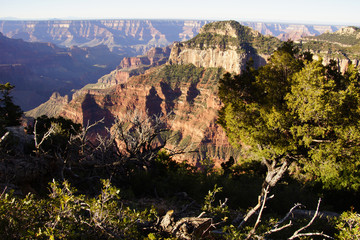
{"x": 265, "y": 44}
{"x": 212, "y": 76}
{"x": 212, "y": 40}
{"x": 209, "y": 37}
{"x": 297, "y": 110}
{"x": 67, "y": 215}
{"x": 348, "y": 225}
{"x": 207, "y": 165}
{"x": 232, "y": 232}
{"x": 10, "y": 113}
{"x": 174, "y": 75}
{"x": 219, "y": 210}
{"x": 20, "y": 218}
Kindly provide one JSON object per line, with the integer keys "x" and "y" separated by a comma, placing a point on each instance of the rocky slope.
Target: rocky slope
{"x": 50, "y": 108}
{"x": 96, "y": 47}
{"x": 193, "y": 103}
{"x": 133, "y": 66}
{"x": 133, "y": 37}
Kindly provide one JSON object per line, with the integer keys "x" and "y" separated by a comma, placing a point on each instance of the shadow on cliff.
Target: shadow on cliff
{"x": 170, "y": 95}
{"x": 253, "y": 56}
{"x": 153, "y": 103}
{"x": 92, "y": 112}
{"x": 192, "y": 93}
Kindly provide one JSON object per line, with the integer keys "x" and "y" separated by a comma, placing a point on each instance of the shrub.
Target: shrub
{"x": 349, "y": 225}
{"x": 67, "y": 215}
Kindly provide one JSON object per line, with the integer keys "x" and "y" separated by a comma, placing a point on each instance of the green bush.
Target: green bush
{"x": 348, "y": 225}
{"x": 67, "y": 215}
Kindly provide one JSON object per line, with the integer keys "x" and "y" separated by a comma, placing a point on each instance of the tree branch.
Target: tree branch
{"x": 297, "y": 233}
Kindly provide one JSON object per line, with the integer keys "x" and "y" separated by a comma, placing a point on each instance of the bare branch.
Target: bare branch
{"x": 4, "y": 136}
{"x": 252, "y": 231}
{"x": 276, "y": 227}
{"x": 280, "y": 228}
{"x": 311, "y": 234}
{"x": 254, "y": 209}
{"x": 139, "y": 137}
{"x": 297, "y": 233}
{"x": 288, "y": 214}
{"x": 321, "y": 141}
{"x": 50, "y": 131}
{"x": 273, "y": 175}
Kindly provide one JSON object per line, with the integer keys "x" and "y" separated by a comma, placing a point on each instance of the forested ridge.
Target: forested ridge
{"x": 295, "y": 120}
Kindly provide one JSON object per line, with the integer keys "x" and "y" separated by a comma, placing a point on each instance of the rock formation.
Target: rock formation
{"x": 222, "y": 44}
{"x": 133, "y": 66}
{"x": 51, "y": 108}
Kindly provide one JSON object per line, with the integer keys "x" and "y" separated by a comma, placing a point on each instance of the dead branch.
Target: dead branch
{"x": 321, "y": 141}
{"x": 312, "y": 234}
{"x": 140, "y": 137}
{"x": 252, "y": 231}
{"x": 223, "y": 204}
{"x": 288, "y": 214}
{"x": 82, "y": 136}
{"x": 273, "y": 175}
{"x": 50, "y": 131}
{"x": 276, "y": 227}
{"x": 4, "y": 137}
{"x": 297, "y": 233}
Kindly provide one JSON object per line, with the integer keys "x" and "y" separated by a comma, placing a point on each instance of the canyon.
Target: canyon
{"x": 178, "y": 80}
{"x": 181, "y": 82}
{"x": 179, "y": 88}
{"x": 68, "y": 54}
{"x": 136, "y": 37}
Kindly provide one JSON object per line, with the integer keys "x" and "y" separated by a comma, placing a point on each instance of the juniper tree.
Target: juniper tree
{"x": 10, "y": 113}
{"x": 296, "y": 110}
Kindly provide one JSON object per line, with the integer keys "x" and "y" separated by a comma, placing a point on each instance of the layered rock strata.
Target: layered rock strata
{"x": 185, "y": 88}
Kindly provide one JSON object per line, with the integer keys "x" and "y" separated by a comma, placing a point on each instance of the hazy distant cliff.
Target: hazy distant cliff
{"x": 134, "y": 37}
{"x": 121, "y": 36}
{"x": 38, "y": 69}
{"x": 342, "y": 46}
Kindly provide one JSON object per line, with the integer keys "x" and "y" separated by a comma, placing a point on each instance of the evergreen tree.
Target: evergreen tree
{"x": 296, "y": 110}
{"x": 10, "y": 113}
